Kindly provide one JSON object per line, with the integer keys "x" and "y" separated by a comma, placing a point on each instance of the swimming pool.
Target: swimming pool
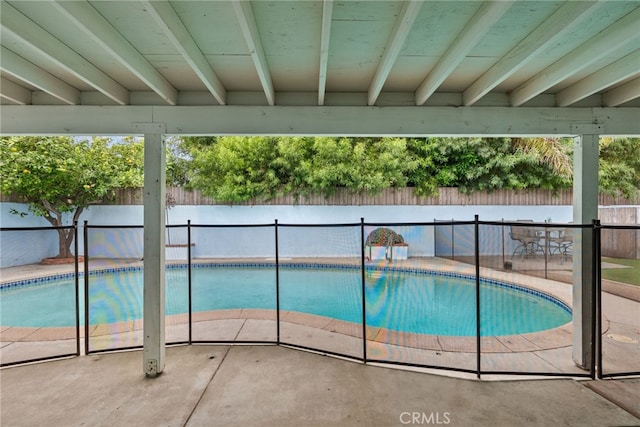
{"x": 408, "y": 301}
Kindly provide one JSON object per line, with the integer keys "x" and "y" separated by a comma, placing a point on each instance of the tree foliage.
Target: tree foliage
{"x": 178, "y": 164}
{"x": 474, "y": 164}
{"x": 57, "y": 176}
{"x": 235, "y": 169}
{"x": 619, "y": 169}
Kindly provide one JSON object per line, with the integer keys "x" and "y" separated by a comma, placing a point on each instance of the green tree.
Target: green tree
{"x": 331, "y": 166}
{"x": 362, "y": 165}
{"x": 293, "y": 166}
{"x": 474, "y": 164}
{"x": 59, "y": 176}
{"x": 178, "y": 164}
{"x": 235, "y": 169}
{"x": 619, "y": 170}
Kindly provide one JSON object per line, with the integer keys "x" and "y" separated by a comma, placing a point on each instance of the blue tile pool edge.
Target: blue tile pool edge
{"x": 411, "y": 270}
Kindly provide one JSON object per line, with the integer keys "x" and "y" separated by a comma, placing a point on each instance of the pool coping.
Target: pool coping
{"x": 536, "y": 341}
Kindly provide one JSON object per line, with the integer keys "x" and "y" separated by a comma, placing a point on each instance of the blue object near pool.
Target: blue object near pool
{"x": 409, "y": 301}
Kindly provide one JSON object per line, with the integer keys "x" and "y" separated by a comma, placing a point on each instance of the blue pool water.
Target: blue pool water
{"x": 402, "y": 301}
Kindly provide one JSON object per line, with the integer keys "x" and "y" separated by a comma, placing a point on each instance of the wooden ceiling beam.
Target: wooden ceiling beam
{"x": 95, "y": 26}
{"x": 481, "y": 22}
{"x": 249, "y": 28}
{"x": 402, "y": 26}
{"x": 620, "y": 33}
{"x": 166, "y": 17}
{"x": 21, "y": 69}
{"x": 549, "y": 31}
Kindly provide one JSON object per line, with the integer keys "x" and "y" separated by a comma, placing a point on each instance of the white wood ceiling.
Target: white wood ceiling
{"x": 310, "y": 53}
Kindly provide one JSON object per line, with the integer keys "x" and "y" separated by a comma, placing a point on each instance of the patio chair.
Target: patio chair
{"x": 560, "y": 242}
{"x": 528, "y": 241}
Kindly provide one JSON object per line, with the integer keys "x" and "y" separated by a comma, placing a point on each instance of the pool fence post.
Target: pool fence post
{"x": 435, "y": 237}
{"x": 477, "y": 262}
{"x": 277, "y": 283}
{"x": 86, "y": 286}
{"x": 596, "y": 307}
{"x": 77, "y": 284}
{"x": 189, "y": 281}
{"x": 364, "y": 296}
{"x": 503, "y": 254}
{"x": 545, "y": 248}
{"x": 453, "y": 241}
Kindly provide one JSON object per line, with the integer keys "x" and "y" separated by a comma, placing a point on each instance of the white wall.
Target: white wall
{"x": 348, "y": 214}
{"x": 17, "y": 248}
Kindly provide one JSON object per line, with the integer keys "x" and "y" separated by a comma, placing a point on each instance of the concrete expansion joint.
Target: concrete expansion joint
{"x": 204, "y": 390}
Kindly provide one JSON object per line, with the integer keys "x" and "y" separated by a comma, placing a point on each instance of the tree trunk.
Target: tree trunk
{"x": 65, "y": 238}
{"x": 65, "y": 235}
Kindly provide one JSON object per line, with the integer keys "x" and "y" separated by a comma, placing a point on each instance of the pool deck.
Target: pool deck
{"x": 276, "y": 386}
{"x": 549, "y": 351}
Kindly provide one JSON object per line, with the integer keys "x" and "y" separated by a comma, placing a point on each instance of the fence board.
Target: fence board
{"x": 391, "y": 196}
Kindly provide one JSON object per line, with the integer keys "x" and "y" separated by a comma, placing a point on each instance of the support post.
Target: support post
{"x": 154, "y": 251}
{"x": 585, "y": 210}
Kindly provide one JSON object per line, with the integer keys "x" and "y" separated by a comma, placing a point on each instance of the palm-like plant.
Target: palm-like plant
{"x": 552, "y": 151}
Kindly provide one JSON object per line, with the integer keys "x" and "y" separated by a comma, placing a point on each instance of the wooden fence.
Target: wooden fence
{"x": 392, "y": 196}
{"x": 620, "y": 243}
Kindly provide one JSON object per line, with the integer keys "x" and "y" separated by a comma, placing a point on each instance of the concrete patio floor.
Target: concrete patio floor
{"x": 278, "y": 386}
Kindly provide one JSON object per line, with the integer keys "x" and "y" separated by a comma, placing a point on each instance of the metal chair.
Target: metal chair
{"x": 560, "y": 242}
{"x": 528, "y": 239}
